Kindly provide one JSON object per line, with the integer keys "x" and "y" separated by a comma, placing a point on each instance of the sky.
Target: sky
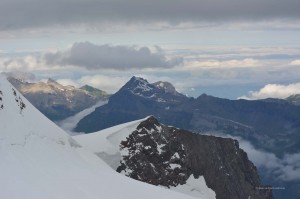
{"x": 226, "y": 48}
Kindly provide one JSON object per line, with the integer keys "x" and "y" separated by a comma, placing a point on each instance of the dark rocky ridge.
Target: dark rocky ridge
{"x": 150, "y": 153}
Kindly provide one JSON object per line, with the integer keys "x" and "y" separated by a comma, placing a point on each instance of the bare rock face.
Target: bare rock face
{"x": 167, "y": 156}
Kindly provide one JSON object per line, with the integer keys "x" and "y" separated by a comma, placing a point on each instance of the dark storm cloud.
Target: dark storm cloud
{"x": 93, "y": 57}
{"x": 15, "y": 14}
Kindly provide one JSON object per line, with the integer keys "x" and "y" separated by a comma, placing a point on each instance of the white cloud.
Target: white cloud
{"x": 67, "y": 82}
{"x": 26, "y": 63}
{"x": 273, "y": 91}
{"x": 244, "y": 63}
{"x": 29, "y": 77}
{"x": 295, "y": 63}
{"x": 107, "y": 83}
{"x": 19, "y": 63}
{"x": 286, "y": 168}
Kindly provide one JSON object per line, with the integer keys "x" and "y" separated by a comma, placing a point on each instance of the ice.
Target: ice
{"x": 107, "y": 141}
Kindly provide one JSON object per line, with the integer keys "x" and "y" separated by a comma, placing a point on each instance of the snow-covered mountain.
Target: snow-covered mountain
{"x": 38, "y": 160}
{"x": 57, "y": 101}
{"x": 197, "y": 165}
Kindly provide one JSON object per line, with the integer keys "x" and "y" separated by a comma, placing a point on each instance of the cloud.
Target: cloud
{"x": 20, "y": 63}
{"x": 196, "y": 65}
{"x": 286, "y": 168}
{"x": 295, "y": 63}
{"x": 94, "y": 57}
{"x": 67, "y": 82}
{"x": 37, "y": 13}
{"x": 26, "y": 76}
{"x": 107, "y": 83}
{"x": 86, "y": 55}
{"x": 274, "y": 91}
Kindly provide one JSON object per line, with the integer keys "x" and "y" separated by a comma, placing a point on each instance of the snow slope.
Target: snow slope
{"x": 38, "y": 160}
{"x": 105, "y": 144}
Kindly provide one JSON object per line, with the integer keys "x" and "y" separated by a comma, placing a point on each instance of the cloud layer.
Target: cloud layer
{"x": 274, "y": 91}
{"x": 286, "y": 169}
{"x": 93, "y": 57}
{"x": 36, "y": 13}
{"x": 295, "y": 63}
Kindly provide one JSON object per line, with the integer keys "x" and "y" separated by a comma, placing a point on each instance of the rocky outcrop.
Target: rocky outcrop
{"x": 167, "y": 156}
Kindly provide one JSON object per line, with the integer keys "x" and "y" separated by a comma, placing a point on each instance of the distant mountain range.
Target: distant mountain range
{"x": 271, "y": 125}
{"x": 56, "y": 101}
{"x": 258, "y": 121}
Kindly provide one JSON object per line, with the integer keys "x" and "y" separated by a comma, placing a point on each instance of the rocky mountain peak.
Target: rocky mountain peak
{"x": 168, "y": 156}
{"x": 158, "y": 91}
{"x": 138, "y": 85}
{"x": 150, "y": 123}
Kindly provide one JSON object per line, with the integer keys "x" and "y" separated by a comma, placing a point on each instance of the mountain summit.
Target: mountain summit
{"x": 159, "y": 91}
{"x": 136, "y": 99}
{"x": 139, "y": 86}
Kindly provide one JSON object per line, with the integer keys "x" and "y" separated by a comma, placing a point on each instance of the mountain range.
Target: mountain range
{"x": 56, "y": 101}
{"x": 39, "y": 160}
{"x": 258, "y": 121}
{"x": 270, "y": 125}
